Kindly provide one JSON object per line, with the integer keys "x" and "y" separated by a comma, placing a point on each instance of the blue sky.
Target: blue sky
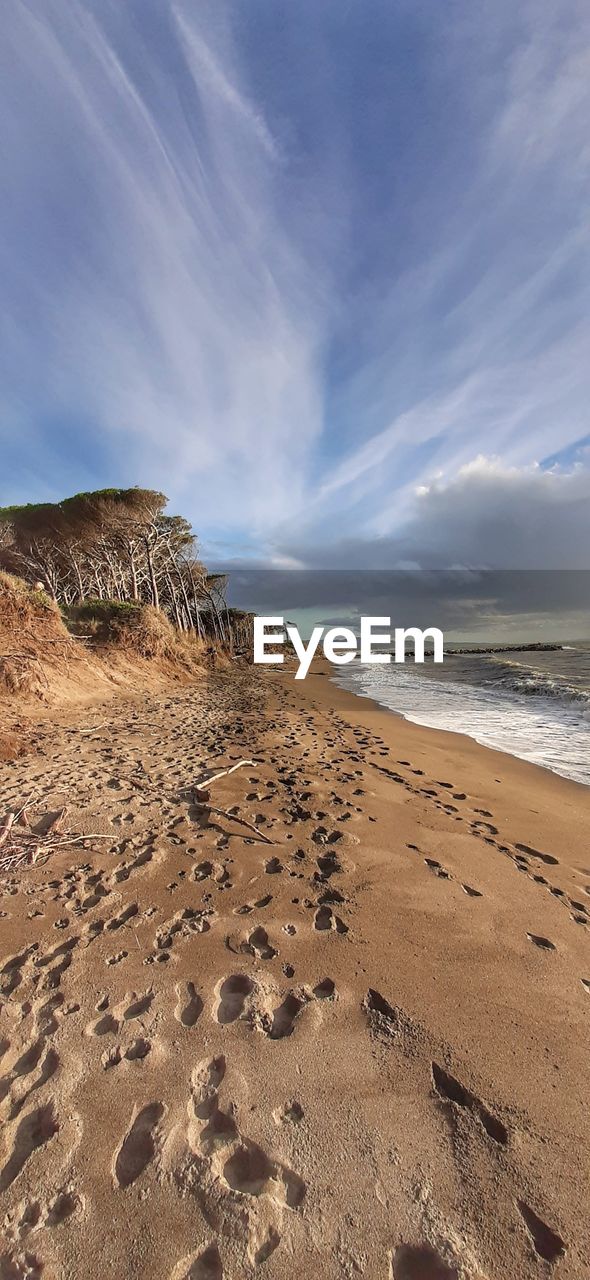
{"x": 319, "y": 271}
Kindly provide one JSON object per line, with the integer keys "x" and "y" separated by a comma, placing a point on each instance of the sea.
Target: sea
{"x": 530, "y": 704}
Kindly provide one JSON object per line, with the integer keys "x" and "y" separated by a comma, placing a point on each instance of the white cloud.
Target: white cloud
{"x": 487, "y": 516}
{"x": 506, "y": 517}
{"x": 546, "y": 111}
{"x": 185, "y": 323}
{"x": 207, "y": 69}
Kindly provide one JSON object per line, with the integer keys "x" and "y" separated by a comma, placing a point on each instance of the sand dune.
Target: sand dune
{"x": 357, "y": 1047}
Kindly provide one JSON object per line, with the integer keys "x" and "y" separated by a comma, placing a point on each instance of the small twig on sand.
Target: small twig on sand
{"x": 223, "y": 773}
{"x": 90, "y": 835}
{"x": 23, "y": 809}
{"x": 4, "y": 830}
{"x": 234, "y": 817}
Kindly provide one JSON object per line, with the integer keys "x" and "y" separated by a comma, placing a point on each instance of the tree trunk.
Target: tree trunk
{"x": 152, "y": 574}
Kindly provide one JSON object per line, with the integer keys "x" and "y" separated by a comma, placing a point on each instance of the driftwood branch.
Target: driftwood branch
{"x": 203, "y": 801}
{"x": 20, "y": 813}
{"x": 223, "y": 773}
{"x": 234, "y": 817}
{"x": 84, "y": 835}
{"x": 5, "y": 828}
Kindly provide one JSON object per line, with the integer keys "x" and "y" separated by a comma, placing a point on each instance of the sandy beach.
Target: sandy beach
{"x": 350, "y": 1043}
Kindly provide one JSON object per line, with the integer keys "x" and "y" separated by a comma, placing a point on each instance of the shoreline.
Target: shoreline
{"x": 447, "y": 740}
{"x": 487, "y": 746}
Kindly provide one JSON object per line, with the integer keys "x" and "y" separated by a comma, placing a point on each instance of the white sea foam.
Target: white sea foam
{"x": 549, "y": 729}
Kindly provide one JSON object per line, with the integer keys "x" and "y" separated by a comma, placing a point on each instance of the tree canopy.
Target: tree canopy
{"x": 117, "y": 544}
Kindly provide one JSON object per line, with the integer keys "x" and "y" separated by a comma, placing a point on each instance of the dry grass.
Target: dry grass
{"x": 137, "y": 630}
{"x": 31, "y": 631}
{"x": 26, "y": 840}
{"x": 12, "y": 745}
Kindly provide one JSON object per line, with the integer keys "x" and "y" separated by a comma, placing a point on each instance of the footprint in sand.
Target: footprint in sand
{"x": 236, "y": 1168}
{"x": 139, "y": 1145}
{"x": 215, "y": 871}
{"x": 205, "y": 1081}
{"x": 34, "y": 1214}
{"x": 14, "y": 1084}
{"x": 451, "y": 1091}
{"x": 258, "y": 945}
{"x": 438, "y": 870}
{"x": 382, "y": 1017}
{"x": 248, "y": 1170}
{"x": 220, "y": 1130}
{"x": 251, "y": 1172}
{"x": 291, "y": 1113}
{"x": 325, "y": 990}
{"x": 34, "y": 1130}
{"x": 61, "y": 951}
{"x": 63, "y": 1206}
{"x": 544, "y": 943}
{"x": 138, "y": 1005}
{"x": 325, "y": 919}
{"x": 206, "y": 1266}
{"x": 232, "y": 996}
{"x": 546, "y": 1242}
{"x": 328, "y": 865}
{"x": 23, "y": 1066}
{"x": 136, "y": 1052}
{"x": 420, "y": 1262}
{"x": 132, "y": 1006}
{"x": 478, "y": 827}
{"x": 189, "y": 1006}
{"x": 547, "y": 858}
{"x": 248, "y": 907}
{"x": 118, "y": 921}
{"x": 283, "y": 1019}
{"x": 268, "y": 1246}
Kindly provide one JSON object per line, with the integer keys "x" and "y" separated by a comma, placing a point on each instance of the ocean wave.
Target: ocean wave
{"x": 520, "y": 677}
{"x": 538, "y": 684}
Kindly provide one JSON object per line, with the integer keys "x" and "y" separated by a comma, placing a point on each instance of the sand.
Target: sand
{"x": 358, "y": 1048}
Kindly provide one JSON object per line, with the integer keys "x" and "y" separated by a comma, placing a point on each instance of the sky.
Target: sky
{"x": 319, "y": 271}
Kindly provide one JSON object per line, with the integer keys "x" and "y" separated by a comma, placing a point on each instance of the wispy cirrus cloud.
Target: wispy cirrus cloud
{"x": 156, "y": 296}
{"x": 297, "y": 270}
